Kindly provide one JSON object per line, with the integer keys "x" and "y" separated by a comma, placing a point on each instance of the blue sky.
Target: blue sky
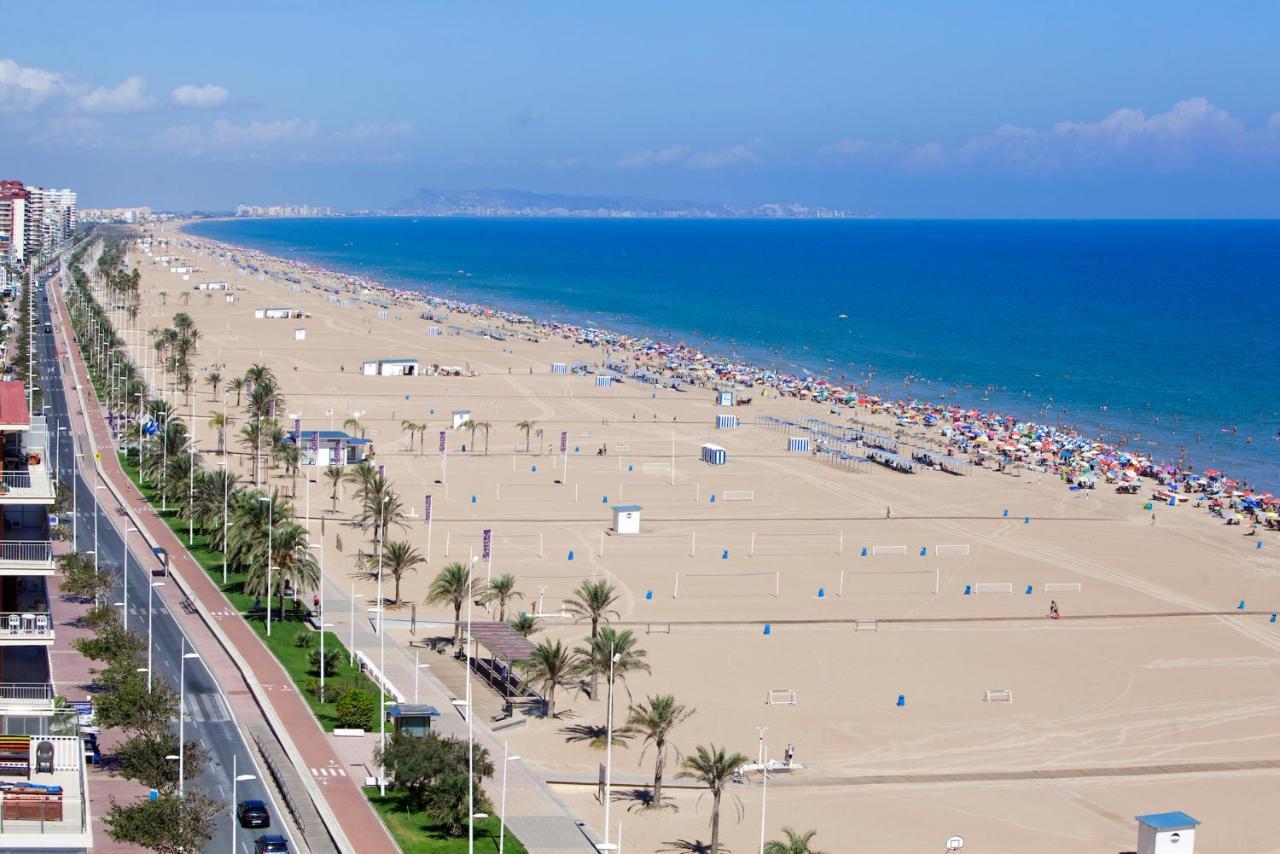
{"x": 896, "y": 109}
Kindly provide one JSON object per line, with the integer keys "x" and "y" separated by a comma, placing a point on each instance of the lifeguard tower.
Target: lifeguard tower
{"x": 1167, "y": 833}
{"x": 626, "y": 518}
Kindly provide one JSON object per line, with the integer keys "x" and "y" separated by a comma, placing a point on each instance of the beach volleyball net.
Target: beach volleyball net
{"x": 652, "y": 492}
{"x": 993, "y": 587}
{"x": 791, "y": 543}
{"x": 951, "y": 550}
{"x": 649, "y": 545}
{"x": 704, "y": 585}
{"x": 781, "y": 697}
{"x": 880, "y": 582}
{"x": 1063, "y": 587}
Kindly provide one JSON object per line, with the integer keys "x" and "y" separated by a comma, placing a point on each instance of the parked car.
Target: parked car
{"x": 253, "y": 813}
{"x": 272, "y": 843}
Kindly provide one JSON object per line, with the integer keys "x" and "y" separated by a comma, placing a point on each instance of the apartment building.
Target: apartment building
{"x": 13, "y": 222}
{"x": 43, "y": 803}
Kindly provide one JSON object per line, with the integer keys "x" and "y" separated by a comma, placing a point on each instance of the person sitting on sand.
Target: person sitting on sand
{"x": 1054, "y": 614}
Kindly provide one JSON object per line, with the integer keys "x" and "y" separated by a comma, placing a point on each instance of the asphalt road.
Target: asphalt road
{"x": 208, "y": 716}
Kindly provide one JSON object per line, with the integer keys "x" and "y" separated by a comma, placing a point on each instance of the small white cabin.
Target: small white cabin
{"x": 276, "y": 313}
{"x": 391, "y": 368}
{"x": 461, "y": 418}
{"x": 626, "y": 518}
{"x": 1167, "y": 833}
{"x": 300, "y": 335}
{"x": 213, "y": 286}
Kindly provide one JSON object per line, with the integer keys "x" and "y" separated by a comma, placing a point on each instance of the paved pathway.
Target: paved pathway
{"x": 294, "y": 724}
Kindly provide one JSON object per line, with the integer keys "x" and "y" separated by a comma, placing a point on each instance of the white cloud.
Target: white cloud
{"x": 743, "y": 154}
{"x": 225, "y": 138}
{"x": 70, "y": 131}
{"x": 129, "y": 97}
{"x": 199, "y": 96}
{"x": 1194, "y": 132}
{"x": 23, "y": 87}
{"x": 373, "y": 134}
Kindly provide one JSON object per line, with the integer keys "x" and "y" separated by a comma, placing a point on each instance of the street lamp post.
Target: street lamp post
{"x": 320, "y": 616}
{"x": 75, "y": 518}
{"x": 351, "y": 622}
{"x": 271, "y": 524}
{"x": 471, "y": 734}
{"x": 182, "y": 716}
{"x": 97, "y": 510}
{"x": 764, "y": 771}
{"x": 502, "y": 810}
{"x": 614, "y": 658}
{"x": 226, "y": 487}
{"x": 236, "y": 778}
{"x": 191, "y": 495}
{"x": 127, "y": 532}
{"x": 382, "y": 654}
{"x": 151, "y": 606}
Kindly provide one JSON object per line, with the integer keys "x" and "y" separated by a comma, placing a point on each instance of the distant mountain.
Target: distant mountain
{"x": 426, "y": 202}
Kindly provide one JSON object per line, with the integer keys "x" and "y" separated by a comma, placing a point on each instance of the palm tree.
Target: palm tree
{"x": 713, "y": 768}
{"x": 654, "y": 721}
{"x": 473, "y": 426}
{"x": 453, "y": 585}
{"x": 218, "y": 421}
{"x": 214, "y": 379}
{"x": 551, "y": 665}
{"x": 593, "y": 600}
{"x": 524, "y": 624}
{"x": 795, "y": 843}
{"x": 333, "y": 474}
{"x": 411, "y": 428}
{"x": 502, "y": 589}
{"x": 237, "y": 385}
{"x": 353, "y": 424}
{"x": 399, "y": 558}
{"x": 527, "y": 427}
{"x": 596, "y": 656}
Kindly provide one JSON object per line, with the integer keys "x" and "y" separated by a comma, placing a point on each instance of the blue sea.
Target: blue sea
{"x": 1162, "y": 333}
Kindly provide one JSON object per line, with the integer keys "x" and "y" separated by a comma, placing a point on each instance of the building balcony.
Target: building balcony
{"x": 27, "y": 477}
{"x": 26, "y": 628}
{"x": 26, "y": 698}
{"x": 44, "y": 805}
{"x": 26, "y": 557}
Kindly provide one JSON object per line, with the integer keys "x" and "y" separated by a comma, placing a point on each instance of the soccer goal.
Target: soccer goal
{"x": 871, "y": 582}
{"x": 1063, "y": 587}
{"x": 993, "y": 587}
{"x": 951, "y": 550}
{"x": 998, "y": 695}
{"x": 888, "y": 550}
{"x": 866, "y": 625}
{"x": 711, "y": 584}
{"x": 780, "y": 697}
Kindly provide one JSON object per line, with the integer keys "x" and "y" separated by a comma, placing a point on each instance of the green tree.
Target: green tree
{"x": 236, "y": 384}
{"x": 218, "y": 421}
{"x": 355, "y": 709}
{"x": 502, "y": 589}
{"x": 333, "y": 474}
{"x": 551, "y": 665}
{"x": 795, "y": 843}
{"x": 714, "y": 768}
{"x": 332, "y": 657}
{"x": 452, "y": 586}
{"x": 214, "y": 379}
{"x": 527, "y": 427}
{"x": 169, "y": 823}
{"x": 654, "y": 721}
{"x": 125, "y": 703}
{"x": 111, "y": 643}
{"x": 594, "y": 601}
{"x": 142, "y": 758}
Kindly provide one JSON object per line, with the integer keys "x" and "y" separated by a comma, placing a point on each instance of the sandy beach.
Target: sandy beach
{"x": 1154, "y": 692}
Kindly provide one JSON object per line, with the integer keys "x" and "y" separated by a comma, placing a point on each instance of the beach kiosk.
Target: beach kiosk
{"x": 714, "y": 455}
{"x": 798, "y": 444}
{"x": 275, "y": 313}
{"x": 724, "y": 398}
{"x": 1167, "y": 833}
{"x": 391, "y": 368}
{"x": 727, "y": 422}
{"x": 461, "y": 418}
{"x": 604, "y": 381}
{"x": 299, "y": 335}
{"x": 328, "y": 447}
{"x": 559, "y": 368}
{"x": 411, "y": 718}
{"x": 626, "y": 518}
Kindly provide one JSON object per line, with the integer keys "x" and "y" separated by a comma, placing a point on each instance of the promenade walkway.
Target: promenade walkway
{"x": 257, "y": 686}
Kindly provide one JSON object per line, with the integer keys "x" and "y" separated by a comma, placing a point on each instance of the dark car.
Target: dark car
{"x": 253, "y": 813}
{"x": 272, "y": 843}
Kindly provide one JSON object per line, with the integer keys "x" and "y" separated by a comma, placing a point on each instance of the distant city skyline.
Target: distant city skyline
{"x": 933, "y": 110}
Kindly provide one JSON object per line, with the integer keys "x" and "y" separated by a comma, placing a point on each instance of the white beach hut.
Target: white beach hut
{"x": 275, "y": 313}
{"x": 727, "y": 422}
{"x": 461, "y": 418}
{"x": 1167, "y": 833}
{"x": 559, "y": 368}
{"x": 391, "y": 368}
{"x": 798, "y": 444}
{"x": 626, "y": 518}
{"x": 299, "y": 335}
{"x": 604, "y": 381}
{"x": 714, "y": 455}
{"x": 724, "y": 398}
